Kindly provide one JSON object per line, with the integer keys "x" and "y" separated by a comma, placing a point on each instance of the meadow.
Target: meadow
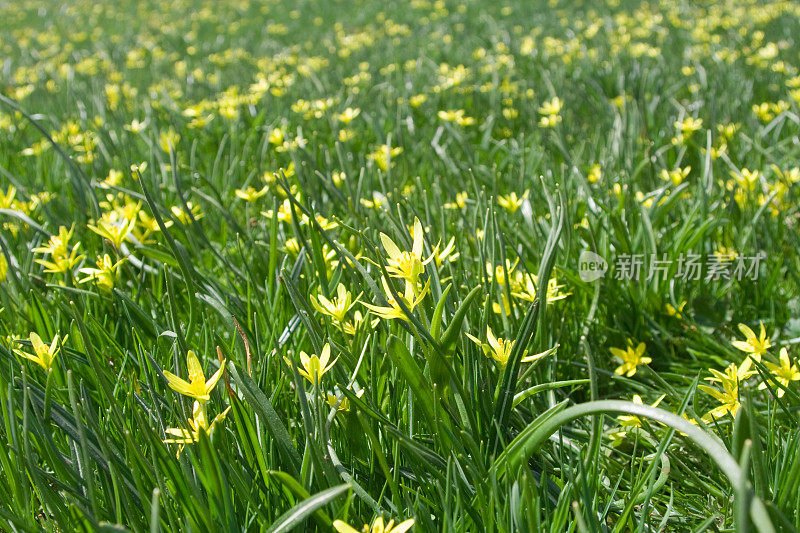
{"x": 348, "y": 265}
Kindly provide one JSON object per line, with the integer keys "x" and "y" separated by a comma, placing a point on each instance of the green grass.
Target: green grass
{"x": 158, "y": 113}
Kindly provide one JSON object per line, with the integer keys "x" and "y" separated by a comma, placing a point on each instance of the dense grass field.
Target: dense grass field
{"x": 460, "y": 265}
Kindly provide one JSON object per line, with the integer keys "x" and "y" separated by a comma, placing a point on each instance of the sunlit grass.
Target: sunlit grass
{"x": 449, "y": 266}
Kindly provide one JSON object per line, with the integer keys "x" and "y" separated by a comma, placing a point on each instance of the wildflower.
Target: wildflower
{"x": 136, "y": 126}
{"x": 350, "y": 328}
{"x": 378, "y": 201}
{"x": 631, "y": 358}
{"x": 377, "y": 526}
{"x": 456, "y": 116}
{"x": 185, "y": 216}
{"x": 523, "y": 286}
{"x": 550, "y": 113}
{"x": 115, "y": 231}
{"x": 336, "y": 307}
{"x": 251, "y": 194}
{"x": 58, "y": 244}
{"x": 500, "y": 349}
{"x": 276, "y": 136}
{"x": 746, "y": 178}
{"x": 7, "y": 199}
{"x": 384, "y": 154}
{"x": 551, "y": 107}
{"x": 284, "y": 212}
{"x": 105, "y": 275}
{"x": 113, "y": 179}
{"x": 417, "y": 100}
{"x": 198, "y": 423}
{"x": 197, "y": 387}
{"x": 168, "y": 140}
{"x": 314, "y": 367}
{"x": 729, "y": 395}
{"x": 686, "y": 129}
{"x": 677, "y": 312}
{"x": 406, "y": 265}
{"x": 445, "y": 254}
{"x": 784, "y": 372}
{"x": 394, "y": 310}
{"x": 342, "y": 403}
{"x": 631, "y": 421}
{"x": 595, "y": 173}
{"x": 497, "y": 349}
{"x": 43, "y": 355}
{"x": 755, "y": 346}
{"x": 511, "y": 202}
{"x": 62, "y": 259}
{"x": 676, "y": 176}
{"x": 460, "y": 203}
{"x": 347, "y": 116}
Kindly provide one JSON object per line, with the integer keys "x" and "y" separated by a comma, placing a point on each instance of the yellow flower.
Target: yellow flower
{"x": 378, "y": 201}
{"x": 551, "y": 107}
{"x": 511, "y": 202}
{"x": 394, "y": 310}
{"x": 417, "y": 100}
{"x": 105, "y": 275}
{"x": 784, "y": 372}
{"x": 631, "y": 421}
{"x": 406, "y": 265}
{"x": 688, "y": 126}
{"x": 168, "y": 140}
{"x": 549, "y": 121}
{"x": 197, "y": 387}
{"x": 350, "y": 328}
{"x": 631, "y": 358}
{"x": 445, "y": 254}
{"x": 677, "y": 312}
{"x": 746, "y": 178}
{"x": 62, "y": 259}
{"x": 347, "y": 116}
{"x": 500, "y": 349}
{"x": 113, "y": 180}
{"x": 314, "y": 367}
{"x": 7, "y": 199}
{"x": 676, "y": 176}
{"x": 183, "y": 215}
{"x": 58, "y": 244}
{"x": 276, "y": 136}
{"x": 115, "y": 231}
{"x": 523, "y": 286}
{"x": 377, "y": 526}
{"x": 460, "y": 203}
{"x": 384, "y": 154}
{"x": 336, "y": 307}
{"x": 198, "y": 423}
{"x": 595, "y": 173}
{"x": 250, "y": 194}
{"x": 343, "y": 402}
{"x": 755, "y": 346}
{"x": 43, "y": 355}
{"x": 729, "y": 396}
{"x": 457, "y": 116}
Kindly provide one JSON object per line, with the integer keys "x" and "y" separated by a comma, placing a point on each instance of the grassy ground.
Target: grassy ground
{"x": 307, "y": 264}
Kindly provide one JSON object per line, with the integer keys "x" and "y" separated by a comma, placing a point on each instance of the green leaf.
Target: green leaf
{"x": 295, "y": 516}
{"x": 261, "y": 405}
